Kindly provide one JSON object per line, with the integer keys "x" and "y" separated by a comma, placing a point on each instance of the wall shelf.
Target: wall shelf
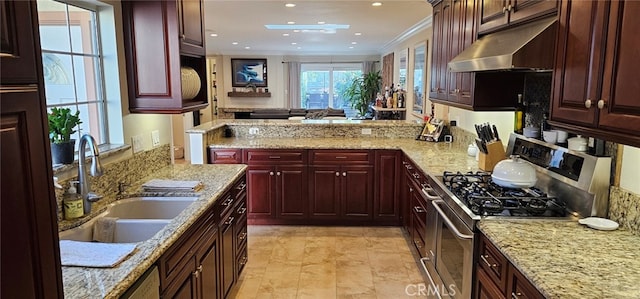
{"x": 249, "y": 94}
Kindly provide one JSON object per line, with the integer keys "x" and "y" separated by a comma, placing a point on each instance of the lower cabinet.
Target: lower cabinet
{"x": 387, "y": 193}
{"x": 496, "y": 277}
{"x": 205, "y": 261}
{"x": 341, "y": 193}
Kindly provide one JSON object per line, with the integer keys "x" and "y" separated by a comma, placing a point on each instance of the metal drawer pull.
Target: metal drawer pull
{"x": 341, "y": 157}
{"x": 448, "y": 222}
{"x": 484, "y": 257}
{"x": 274, "y": 157}
{"x": 418, "y": 209}
{"x": 242, "y": 236}
{"x": 200, "y": 268}
{"x": 195, "y": 274}
{"x": 423, "y": 262}
{"x": 244, "y": 260}
{"x": 228, "y": 201}
{"x": 515, "y": 296}
{"x": 242, "y": 186}
{"x": 242, "y": 210}
{"x": 229, "y": 220}
{"x": 415, "y": 175}
{"x": 418, "y": 244}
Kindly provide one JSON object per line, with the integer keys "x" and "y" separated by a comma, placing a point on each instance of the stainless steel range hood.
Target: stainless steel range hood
{"x": 526, "y": 47}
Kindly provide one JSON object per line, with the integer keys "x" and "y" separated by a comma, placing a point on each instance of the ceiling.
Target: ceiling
{"x": 243, "y": 21}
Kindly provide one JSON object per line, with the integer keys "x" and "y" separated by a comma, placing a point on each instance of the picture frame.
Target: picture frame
{"x": 248, "y": 71}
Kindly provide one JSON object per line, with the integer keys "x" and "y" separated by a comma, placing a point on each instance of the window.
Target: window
{"x": 321, "y": 85}
{"x": 72, "y": 64}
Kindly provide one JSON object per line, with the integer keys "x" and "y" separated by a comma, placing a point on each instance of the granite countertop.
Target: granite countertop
{"x": 83, "y": 282}
{"x": 431, "y": 157}
{"x": 567, "y": 260}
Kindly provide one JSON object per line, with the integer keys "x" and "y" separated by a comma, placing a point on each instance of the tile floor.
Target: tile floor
{"x": 327, "y": 262}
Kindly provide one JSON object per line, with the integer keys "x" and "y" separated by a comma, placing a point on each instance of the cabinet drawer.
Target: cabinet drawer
{"x": 241, "y": 237}
{"x": 520, "y": 287}
{"x": 341, "y": 157}
{"x": 240, "y": 188}
{"x": 225, "y": 156}
{"x": 493, "y": 262}
{"x": 242, "y": 260}
{"x": 273, "y": 157}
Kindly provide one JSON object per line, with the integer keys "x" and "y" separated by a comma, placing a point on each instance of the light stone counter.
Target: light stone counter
{"x": 81, "y": 282}
{"x": 567, "y": 260}
{"x": 431, "y": 157}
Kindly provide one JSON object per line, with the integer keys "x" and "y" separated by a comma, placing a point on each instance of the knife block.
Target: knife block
{"x": 495, "y": 154}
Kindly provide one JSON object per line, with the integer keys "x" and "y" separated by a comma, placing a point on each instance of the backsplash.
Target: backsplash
{"x": 624, "y": 207}
{"x": 127, "y": 171}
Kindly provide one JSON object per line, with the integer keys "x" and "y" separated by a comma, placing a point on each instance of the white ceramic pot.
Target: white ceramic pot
{"x": 578, "y": 143}
{"x": 472, "y": 150}
{"x": 562, "y": 136}
{"x": 514, "y": 173}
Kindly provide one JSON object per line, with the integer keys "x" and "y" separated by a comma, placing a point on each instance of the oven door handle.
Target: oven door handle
{"x": 423, "y": 262}
{"x": 450, "y": 224}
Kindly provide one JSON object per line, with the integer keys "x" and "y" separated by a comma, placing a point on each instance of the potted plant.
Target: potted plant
{"x": 61, "y": 125}
{"x": 362, "y": 91}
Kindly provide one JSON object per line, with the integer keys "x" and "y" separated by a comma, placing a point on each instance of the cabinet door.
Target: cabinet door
{"x": 185, "y": 284}
{"x": 620, "y": 88}
{"x": 292, "y": 193}
{"x": 578, "y": 62}
{"x": 445, "y": 54}
{"x": 523, "y": 10}
{"x": 388, "y": 176}
{"x": 227, "y": 254}
{"x": 462, "y": 35}
{"x": 192, "y": 38}
{"x": 493, "y": 14}
{"x": 18, "y": 24}
{"x": 208, "y": 266}
{"x": 261, "y": 191}
{"x": 520, "y": 287}
{"x": 357, "y": 192}
{"x": 30, "y": 252}
{"x": 484, "y": 287}
{"x": 436, "y": 51}
{"x": 406, "y": 203}
{"x": 324, "y": 192}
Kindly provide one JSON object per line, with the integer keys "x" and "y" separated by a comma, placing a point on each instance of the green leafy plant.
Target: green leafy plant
{"x": 362, "y": 91}
{"x": 62, "y": 123}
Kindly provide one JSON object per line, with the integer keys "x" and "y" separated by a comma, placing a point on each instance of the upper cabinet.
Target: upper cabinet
{"x": 595, "y": 85}
{"x": 165, "y": 53}
{"x": 17, "y": 44}
{"x": 497, "y": 14}
{"x": 454, "y": 29}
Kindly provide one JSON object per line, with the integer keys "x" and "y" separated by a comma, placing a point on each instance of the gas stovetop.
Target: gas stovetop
{"x": 485, "y": 198}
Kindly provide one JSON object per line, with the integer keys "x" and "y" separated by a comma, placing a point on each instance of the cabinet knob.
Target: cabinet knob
{"x": 601, "y": 104}
{"x": 504, "y": 9}
{"x": 344, "y": 174}
{"x": 278, "y": 173}
{"x": 509, "y": 7}
{"x": 337, "y": 173}
{"x": 271, "y": 173}
{"x": 182, "y": 36}
{"x": 587, "y": 103}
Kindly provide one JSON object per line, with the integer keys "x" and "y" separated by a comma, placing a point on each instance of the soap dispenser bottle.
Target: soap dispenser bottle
{"x": 72, "y": 202}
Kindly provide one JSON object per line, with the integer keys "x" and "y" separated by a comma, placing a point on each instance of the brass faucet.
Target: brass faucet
{"x": 84, "y": 187}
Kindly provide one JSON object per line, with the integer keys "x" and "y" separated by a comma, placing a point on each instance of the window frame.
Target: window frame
{"x": 331, "y": 68}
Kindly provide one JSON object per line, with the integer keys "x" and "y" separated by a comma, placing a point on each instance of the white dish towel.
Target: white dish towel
{"x": 92, "y": 254}
{"x": 104, "y": 229}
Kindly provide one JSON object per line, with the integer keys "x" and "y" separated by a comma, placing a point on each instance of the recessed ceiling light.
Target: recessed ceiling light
{"x": 294, "y": 43}
{"x": 285, "y": 34}
{"x": 291, "y": 22}
{"x": 358, "y": 33}
{"x": 351, "y": 47}
{"x": 234, "y": 43}
{"x": 321, "y": 22}
{"x": 296, "y": 31}
{"x": 247, "y": 47}
{"x": 354, "y": 43}
{"x": 290, "y": 5}
{"x": 376, "y": 4}
{"x": 213, "y": 34}
{"x": 299, "y": 48}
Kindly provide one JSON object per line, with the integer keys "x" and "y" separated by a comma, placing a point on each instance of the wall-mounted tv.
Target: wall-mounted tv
{"x": 249, "y": 71}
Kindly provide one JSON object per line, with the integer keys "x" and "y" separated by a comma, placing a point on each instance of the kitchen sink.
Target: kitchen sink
{"x": 136, "y": 219}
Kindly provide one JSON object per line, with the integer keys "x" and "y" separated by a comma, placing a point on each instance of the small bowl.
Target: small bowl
{"x": 562, "y": 136}
{"x": 550, "y": 136}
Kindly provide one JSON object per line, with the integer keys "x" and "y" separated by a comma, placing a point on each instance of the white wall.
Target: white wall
{"x": 275, "y": 82}
{"x": 630, "y": 173}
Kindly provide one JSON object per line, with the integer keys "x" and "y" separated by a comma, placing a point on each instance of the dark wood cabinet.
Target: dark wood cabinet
{"x": 341, "y": 186}
{"x": 388, "y": 189}
{"x": 225, "y": 156}
{"x": 463, "y": 33}
{"x": 191, "y": 27}
{"x": 278, "y": 183}
{"x": 160, "y": 38}
{"x": 202, "y": 263}
{"x": 499, "y": 14}
{"x": 594, "y": 85}
{"x": 496, "y": 277}
{"x": 30, "y": 256}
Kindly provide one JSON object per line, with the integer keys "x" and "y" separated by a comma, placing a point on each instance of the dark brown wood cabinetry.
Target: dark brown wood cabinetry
{"x": 595, "y": 86}
{"x": 29, "y": 231}
{"x": 205, "y": 261}
{"x": 499, "y": 14}
{"x": 496, "y": 277}
{"x": 160, "y": 38}
{"x": 341, "y": 186}
{"x": 225, "y": 156}
{"x": 278, "y": 185}
{"x": 388, "y": 177}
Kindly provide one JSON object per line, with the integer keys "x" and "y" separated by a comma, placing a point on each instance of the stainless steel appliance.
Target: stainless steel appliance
{"x": 569, "y": 185}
